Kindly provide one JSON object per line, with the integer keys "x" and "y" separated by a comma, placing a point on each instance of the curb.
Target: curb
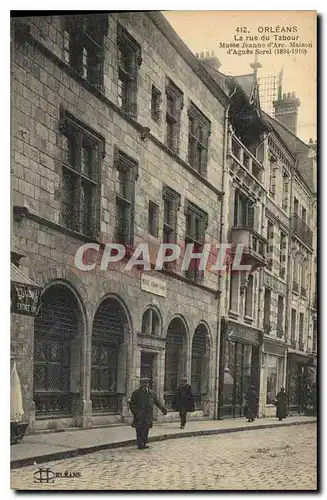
{"x": 24, "y": 462}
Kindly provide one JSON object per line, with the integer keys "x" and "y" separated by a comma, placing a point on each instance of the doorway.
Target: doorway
{"x": 147, "y": 366}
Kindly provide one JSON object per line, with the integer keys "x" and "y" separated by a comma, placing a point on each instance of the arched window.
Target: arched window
{"x": 200, "y": 364}
{"x": 151, "y": 323}
{"x": 55, "y": 329}
{"x": 175, "y": 358}
{"x": 108, "y": 374}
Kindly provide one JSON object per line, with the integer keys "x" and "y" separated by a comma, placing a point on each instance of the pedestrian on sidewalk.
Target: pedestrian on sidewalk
{"x": 141, "y": 406}
{"x": 183, "y": 401}
{"x": 251, "y": 405}
{"x": 281, "y": 404}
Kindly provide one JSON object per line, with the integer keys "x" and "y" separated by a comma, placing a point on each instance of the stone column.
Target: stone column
{"x": 81, "y": 374}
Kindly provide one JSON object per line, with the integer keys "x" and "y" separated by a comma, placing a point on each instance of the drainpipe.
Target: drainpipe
{"x": 288, "y": 283}
{"x": 220, "y": 277}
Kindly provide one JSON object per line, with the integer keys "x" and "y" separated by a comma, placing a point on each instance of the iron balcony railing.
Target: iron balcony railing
{"x": 302, "y": 230}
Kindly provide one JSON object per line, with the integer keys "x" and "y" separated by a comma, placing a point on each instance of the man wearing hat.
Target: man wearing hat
{"x": 183, "y": 401}
{"x": 141, "y": 406}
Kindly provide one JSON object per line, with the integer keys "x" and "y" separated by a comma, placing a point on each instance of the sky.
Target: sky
{"x": 203, "y": 31}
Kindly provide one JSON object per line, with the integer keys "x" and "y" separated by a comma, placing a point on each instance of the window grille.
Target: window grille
{"x": 83, "y": 45}
{"x": 196, "y": 224}
{"x": 199, "y": 132}
{"x": 156, "y": 99}
{"x": 129, "y": 62}
{"x": 82, "y": 154}
{"x": 126, "y": 175}
{"x": 173, "y": 116}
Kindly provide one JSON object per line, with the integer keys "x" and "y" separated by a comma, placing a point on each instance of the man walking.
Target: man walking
{"x": 183, "y": 401}
{"x": 141, "y": 405}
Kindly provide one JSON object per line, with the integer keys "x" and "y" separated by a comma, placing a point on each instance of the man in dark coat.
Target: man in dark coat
{"x": 141, "y": 406}
{"x": 281, "y": 404}
{"x": 251, "y": 407}
{"x": 183, "y": 401}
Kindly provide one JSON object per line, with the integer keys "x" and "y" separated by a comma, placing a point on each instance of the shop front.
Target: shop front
{"x": 273, "y": 359}
{"x": 239, "y": 367}
{"x": 298, "y": 381}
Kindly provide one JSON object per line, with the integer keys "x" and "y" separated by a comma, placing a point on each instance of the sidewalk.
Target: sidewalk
{"x": 40, "y": 448}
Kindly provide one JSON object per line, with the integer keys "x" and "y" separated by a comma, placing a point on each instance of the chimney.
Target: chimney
{"x": 286, "y": 110}
{"x": 209, "y": 59}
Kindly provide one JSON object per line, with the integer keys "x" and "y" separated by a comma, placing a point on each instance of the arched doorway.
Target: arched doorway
{"x": 108, "y": 376}
{"x": 55, "y": 348}
{"x": 175, "y": 358}
{"x": 200, "y": 365}
{"x": 151, "y": 327}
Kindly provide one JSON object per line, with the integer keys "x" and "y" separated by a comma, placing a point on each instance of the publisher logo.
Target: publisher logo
{"x": 48, "y": 476}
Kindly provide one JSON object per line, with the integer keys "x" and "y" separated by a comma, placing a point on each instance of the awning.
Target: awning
{"x": 25, "y": 293}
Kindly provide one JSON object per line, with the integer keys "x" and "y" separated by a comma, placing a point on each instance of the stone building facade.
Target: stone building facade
{"x": 121, "y": 135}
{"x": 268, "y": 169}
{"x": 118, "y": 136}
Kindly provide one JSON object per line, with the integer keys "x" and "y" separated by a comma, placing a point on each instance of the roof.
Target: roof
{"x": 247, "y": 83}
{"x": 17, "y": 276}
{"x": 298, "y": 148}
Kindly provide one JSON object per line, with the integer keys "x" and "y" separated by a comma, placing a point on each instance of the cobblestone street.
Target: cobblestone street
{"x": 269, "y": 459}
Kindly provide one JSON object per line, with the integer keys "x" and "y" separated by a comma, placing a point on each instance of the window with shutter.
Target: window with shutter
{"x": 171, "y": 205}
{"x": 83, "y": 150}
{"x": 129, "y": 62}
{"x": 153, "y": 218}
{"x": 127, "y": 173}
{"x": 196, "y": 224}
{"x": 199, "y": 132}
{"x": 83, "y": 45}
{"x": 155, "y": 104}
{"x": 173, "y": 115}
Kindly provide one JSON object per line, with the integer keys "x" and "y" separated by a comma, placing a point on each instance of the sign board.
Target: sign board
{"x": 242, "y": 333}
{"x": 24, "y": 299}
{"x": 153, "y": 285}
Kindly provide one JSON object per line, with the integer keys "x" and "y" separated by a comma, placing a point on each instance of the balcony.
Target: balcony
{"x": 254, "y": 246}
{"x": 280, "y": 333}
{"x": 293, "y": 344}
{"x": 303, "y": 292}
{"x": 295, "y": 287}
{"x": 302, "y": 230}
{"x": 301, "y": 346}
{"x": 244, "y": 159}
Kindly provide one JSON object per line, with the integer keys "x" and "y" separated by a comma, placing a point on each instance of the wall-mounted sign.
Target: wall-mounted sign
{"x": 153, "y": 285}
{"x": 24, "y": 299}
{"x": 242, "y": 333}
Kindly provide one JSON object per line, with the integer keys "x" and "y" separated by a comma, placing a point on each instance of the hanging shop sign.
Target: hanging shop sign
{"x": 24, "y": 299}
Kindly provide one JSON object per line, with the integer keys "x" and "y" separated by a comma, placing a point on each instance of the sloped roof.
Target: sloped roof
{"x": 298, "y": 148}
{"x": 247, "y": 83}
{"x": 17, "y": 276}
{"x": 220, "y": 78}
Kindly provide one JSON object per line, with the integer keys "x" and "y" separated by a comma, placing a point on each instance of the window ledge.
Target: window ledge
{"x": 60, "y": 228}
{"x": 233, "y": 314}
{"x": 248, "y": 319}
